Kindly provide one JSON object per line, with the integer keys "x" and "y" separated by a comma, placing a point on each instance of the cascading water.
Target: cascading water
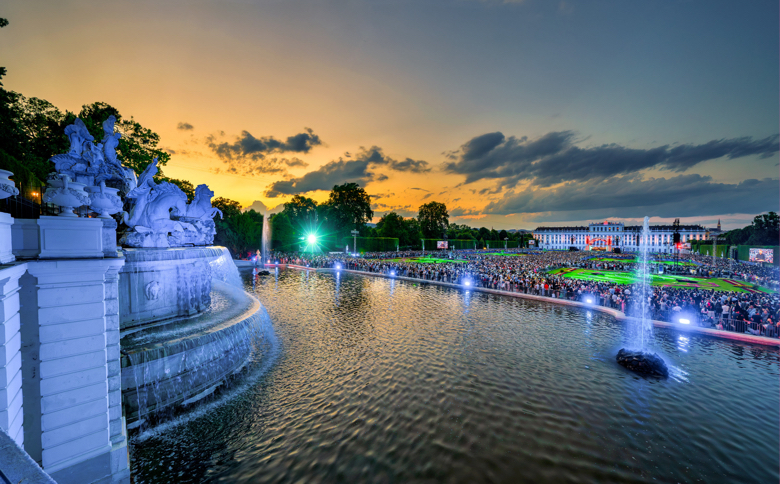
{"x": 638, "y": 358}
{"x": 168, "y": 364}
{"x": 266, "y": 240}
{"x": 644, "y": 325}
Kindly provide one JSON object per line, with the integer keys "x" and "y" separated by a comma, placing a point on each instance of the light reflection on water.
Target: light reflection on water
{"x": 389, "y": 381}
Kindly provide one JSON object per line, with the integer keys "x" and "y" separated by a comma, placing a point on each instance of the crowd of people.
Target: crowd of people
{"x": 754, "y": 311}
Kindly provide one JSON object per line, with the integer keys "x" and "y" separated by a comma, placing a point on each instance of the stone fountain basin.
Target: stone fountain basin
{"x": 177, "y": 361}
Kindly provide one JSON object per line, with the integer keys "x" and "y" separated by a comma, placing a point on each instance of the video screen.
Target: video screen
{"x": 761, "y": 255}
{"x": 441, "y": 244}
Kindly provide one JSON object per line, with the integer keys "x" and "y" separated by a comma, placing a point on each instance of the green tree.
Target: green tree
{"x": 434, "y": 219}
{"x": 348, "y": 207}
{"x": 282, "y": 233}
{"x": 391, "y": 225}
{"x": 230, "y": 208}
{"x": 503, "y": 235}
{"x": 302, "y": 212}
{"x": 766, "y": 230}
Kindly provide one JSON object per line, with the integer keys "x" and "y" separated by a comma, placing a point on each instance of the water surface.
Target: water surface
{"x": 387, "y": 381}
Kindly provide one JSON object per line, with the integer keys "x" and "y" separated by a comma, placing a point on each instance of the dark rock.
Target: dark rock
{"x": 645, "y": 363}
{"x": 263, "y": 273}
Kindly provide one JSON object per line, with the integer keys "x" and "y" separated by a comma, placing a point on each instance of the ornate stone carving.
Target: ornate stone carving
{"x": 66, "y": 194}
{"x": 105, "y": 200}
{"x": 152, "y": 290}
{"x": 7, "y": 187}
{"x": 150, "y": 217}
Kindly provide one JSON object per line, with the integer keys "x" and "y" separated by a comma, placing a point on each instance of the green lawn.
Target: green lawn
{"x": 658, "y": 280}
{"x": 631, "y": 261}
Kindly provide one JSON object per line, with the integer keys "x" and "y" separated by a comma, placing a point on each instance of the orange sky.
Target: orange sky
{"x": 359, "y": 74}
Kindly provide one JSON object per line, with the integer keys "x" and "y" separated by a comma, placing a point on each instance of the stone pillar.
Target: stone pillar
{"x": 6, "y": 221}
{"x": 10, "y": 355}
{"x": 116, "y": 422}
{"x": 109, "y": 237}
{"x": 25, "y": 238}
{"x": 76, "y": 307}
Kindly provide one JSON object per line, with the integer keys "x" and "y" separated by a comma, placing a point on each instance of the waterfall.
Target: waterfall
{"x": 266, "y": 239}
{"x": 643, "y": 327}
{"x": 224, "y": 269}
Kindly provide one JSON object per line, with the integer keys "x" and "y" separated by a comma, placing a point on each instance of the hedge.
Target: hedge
{"x": 371, "y": 244}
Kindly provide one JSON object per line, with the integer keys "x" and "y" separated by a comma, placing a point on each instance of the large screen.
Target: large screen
{"x": 441, "y": 244}
{"x": 761, "y": 255}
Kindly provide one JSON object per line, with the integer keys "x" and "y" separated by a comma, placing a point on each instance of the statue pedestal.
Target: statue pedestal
{"x": 6, "y": 221}
{"x": 70, "y": 238}
{"x": 25, "y": 238}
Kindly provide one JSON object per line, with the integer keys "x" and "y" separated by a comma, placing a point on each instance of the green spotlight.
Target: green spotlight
{"x": 312, "y": 239}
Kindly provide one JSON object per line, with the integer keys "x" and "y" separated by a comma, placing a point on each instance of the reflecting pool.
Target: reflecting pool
{"x": 375, "y": 380}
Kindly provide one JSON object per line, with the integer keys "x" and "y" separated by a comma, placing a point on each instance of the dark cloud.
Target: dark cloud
{"x": 553, "y": 158}
{"x": 460, "y": 212}
{"x": 410, "y": 165}
{"x": 679, "y": 196}
{"x": 421, "y": 189}
{"x": 295, "y": 162}
{"x": 361, "y": 169}
{"x": 248, "y": 155}
{"x": 247, "y": 147}
{"x": 185, "y": 126}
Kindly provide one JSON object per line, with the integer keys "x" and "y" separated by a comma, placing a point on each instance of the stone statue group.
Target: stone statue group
{"x": 156, "y": 214}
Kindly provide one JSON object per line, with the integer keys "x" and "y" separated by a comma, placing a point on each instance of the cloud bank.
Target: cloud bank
{"x": 361, "y": 167}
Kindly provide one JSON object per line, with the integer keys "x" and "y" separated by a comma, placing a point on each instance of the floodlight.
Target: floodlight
{"x": 466, "y": 283}
{"x": 589, "y": 301}
{"x": 312, "y": 239}
{"x": 392, "y": 273}
{"x": 338, "y": 267}
{"x": 685, "y": 321}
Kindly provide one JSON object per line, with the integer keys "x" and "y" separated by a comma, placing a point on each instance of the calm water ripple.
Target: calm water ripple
{"x": 387, "y": 381}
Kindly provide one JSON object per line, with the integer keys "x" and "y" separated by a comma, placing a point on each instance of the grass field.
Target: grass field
{"x": 665, "y": 262}
{"x": 658, "y": 280}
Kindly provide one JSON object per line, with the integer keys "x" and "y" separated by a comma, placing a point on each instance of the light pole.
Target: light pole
{"x": 354, "y": 241}
{"x": 506, "y": 243}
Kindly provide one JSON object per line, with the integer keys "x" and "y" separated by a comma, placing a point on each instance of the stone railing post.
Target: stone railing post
{"x": 10, "y": 354}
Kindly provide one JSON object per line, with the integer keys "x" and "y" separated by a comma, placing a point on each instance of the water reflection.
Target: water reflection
{"x": 383, "y": 381}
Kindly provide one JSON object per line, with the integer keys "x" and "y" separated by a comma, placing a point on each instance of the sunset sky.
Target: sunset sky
{"x": 513, "y": 113}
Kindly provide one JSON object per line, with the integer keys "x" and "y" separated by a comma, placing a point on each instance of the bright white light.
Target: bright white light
{"x": 338, "y": 267}
{"x": 685, "y": 321}
{"x": 466, "y": 283}
{"x": 589, "y": 301}
{"x": 392, "y": 273}
{"x": 312, "y": 239}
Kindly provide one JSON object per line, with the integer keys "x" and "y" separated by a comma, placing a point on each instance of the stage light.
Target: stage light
{"x": 589, "y": 301}
{"x": 467, "y": 283}
{"x": 392, "y": 273}
{"x": 685, "y": 321}
{"x": 311, "y": 239}
{"x": 338, "y": 267}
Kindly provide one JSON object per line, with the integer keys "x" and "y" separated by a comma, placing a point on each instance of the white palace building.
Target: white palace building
{"x": 615, "y": 235}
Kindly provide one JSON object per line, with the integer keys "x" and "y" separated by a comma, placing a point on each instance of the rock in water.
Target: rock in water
{"x": 264, "y": 273}
{"x": 645, "y": 363}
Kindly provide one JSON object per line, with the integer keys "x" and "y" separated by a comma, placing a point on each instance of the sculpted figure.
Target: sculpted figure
{"x": 201, "y": 208}
{"x": 150, "y": 217}
{"x": 78, "y": 135}
{"x": 110, "y": 142}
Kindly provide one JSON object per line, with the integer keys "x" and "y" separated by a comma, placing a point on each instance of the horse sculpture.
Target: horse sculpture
{"x": 150, "y": 217}
{"x": 201, "y": 208}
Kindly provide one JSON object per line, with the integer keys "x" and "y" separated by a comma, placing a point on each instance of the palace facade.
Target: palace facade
{"x": 610, "y": 235}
